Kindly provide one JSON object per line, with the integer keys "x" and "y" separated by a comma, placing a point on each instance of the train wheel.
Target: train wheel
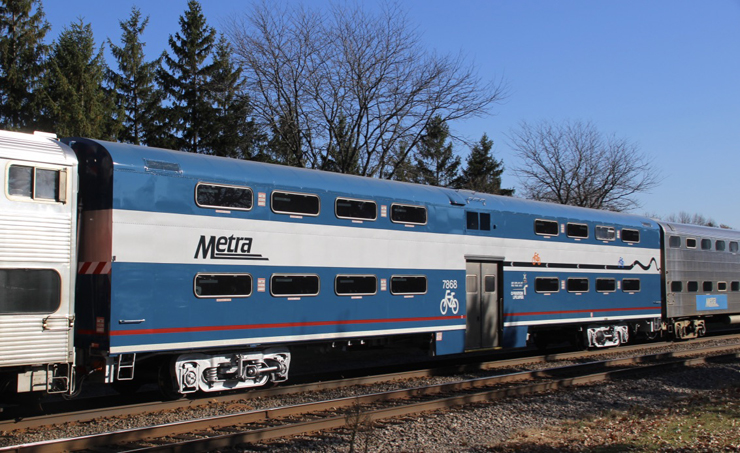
{"x": 167, "y": 380}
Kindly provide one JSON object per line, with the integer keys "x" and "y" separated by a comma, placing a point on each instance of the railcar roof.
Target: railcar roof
{"x": 35, "y": 148}
{"x": 700, "y": 231}
{"x": 215, "y": 169}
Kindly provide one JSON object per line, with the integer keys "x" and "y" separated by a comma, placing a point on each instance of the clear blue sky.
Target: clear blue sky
{"x": 664, "y": 74}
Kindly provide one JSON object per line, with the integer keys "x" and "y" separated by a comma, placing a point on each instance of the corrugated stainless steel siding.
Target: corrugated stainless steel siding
{"x": 23, "y": 341}
{"x": 35, "y": 238}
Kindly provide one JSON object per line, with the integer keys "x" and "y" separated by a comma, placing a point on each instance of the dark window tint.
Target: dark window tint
{"x": 354, "y": 285}
{"x": 223, "y": 285}
{"x": 489, "y": 283}
{"x": 604, "y": 233}
{"x": 606, "y": 285}
{"x": 577, "y": 285}
{"x": 721, "y": 286}
{"x": 295, "y": 203}
{"x": 631, "y": 285}
{"x": 735, "y": 286}
{"x": 676, "y": 287}
{"x": 719, "y": 246}
{"x": 547, "y": 284}
{"x": 674, "y": 242}
{"x": 402, "y": 284}
{"x": 408, "y": 214}
{"x": 733, "y": 247}
{"x": 630, "y": 236}
{"x": 485, "y": 221}
{"x": 690, "y": 243}
{"x": 216, "y": 196}
{"x": 706, "y": 244}
{"x": 29, "y": 291}
{"x": 577, "y": 230}
{"x": 546, "y": 227}
{"x": 472, "y": 223}
{"x": 356, "y": 209}
{"x": 692, "y": 287}
{"x": 294, "y": 285}
{"x": 707, "y": 286}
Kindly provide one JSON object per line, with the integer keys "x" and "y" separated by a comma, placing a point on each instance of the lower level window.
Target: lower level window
{"x": 29, "y": 291}
{"x": 606, "y": 285}
{"x": 223, "y": 285}
{"x": 578, "y": 285}
{"x": 547, "y": 284}
{"x": 356, "y": 285}
{"x": 631, "y": 285}
{"x": 294, "y": 285}
{"x": 408, "y": 284}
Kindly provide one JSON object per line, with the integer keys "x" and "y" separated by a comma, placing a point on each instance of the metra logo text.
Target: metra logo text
{"x": 226, "y": 247}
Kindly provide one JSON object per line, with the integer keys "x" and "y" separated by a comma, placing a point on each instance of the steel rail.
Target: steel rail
{"x": 275, "y": 414}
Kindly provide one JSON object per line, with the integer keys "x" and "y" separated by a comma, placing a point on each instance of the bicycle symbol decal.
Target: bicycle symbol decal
{"x": 450, "y": 302}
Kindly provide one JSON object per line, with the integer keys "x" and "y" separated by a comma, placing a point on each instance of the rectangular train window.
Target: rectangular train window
{"x": 401, "y": 213}
{"x": 630, "y": 235}
{"x": 37, "y": 183}
{"x": 631, "y": 285}
{"x": 295, "y": 203}
{"x": 604, "y": 233}
{"x": 577, "y": 230}
{"x": 606, "y": 285}
{"x": 287, "y": 285}
{"x": 733, "y": 247}
{"x": 345, "y": 208}
{"x": 485, "y": 221}
{"x": 220, "y": 196}
{"x": 690, "y": 243}
{"x": 722, "y": 286}
{"x": 735, "y": 286}
{"x": 692, "y": 287}
{"x": 489, "y": 283}
{"x": 356, "y": 285}
{"x": 29, "y": 291}
{"x": 222, "y": 285}
{"x": 676, "y": 287}
{"x": 674, "y": 242}
{"x": 719, "y": 246}
{"x": 707, "y": 287}
{"x": 546, "y": 227}
{"x": 706, "y": 244}
{"x": 408, "y": 284}
{"x": 472, "y": 220}
{"x": 547, "y": 284}
{"x": 577, "y": 285}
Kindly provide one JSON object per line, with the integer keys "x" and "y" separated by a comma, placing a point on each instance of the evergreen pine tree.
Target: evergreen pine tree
{"x": 483, "y": 172}
{"x": 436, "y": 163}
{"x": 76, "y": 102}
{"x": 186, "y": 81}
{"x": 136, "y": 94}
{"x": 22, "y": 55}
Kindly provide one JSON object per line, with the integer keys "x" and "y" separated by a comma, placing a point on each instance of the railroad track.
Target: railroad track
{"x": 260, "y": 425}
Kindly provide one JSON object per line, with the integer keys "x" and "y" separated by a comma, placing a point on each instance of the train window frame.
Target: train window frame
{"x": 542, "y": 280}
{"x": 631, "y": 280}
{"x": 408, "y": 222}
{"x": 578, "y": 279}
{"x": 485, "y": 221}
{"x": 296, "y": 213}
{"x": 676, "y": 286}
{"x": 707, "y": 286}
{"x": 32, "y": 193}
{"x": 606, "y": 279}
{"x": 575, "y": 230}
{"x": 722, "y": 287}
{"x": 545, "y": 222}
{"x": 720, "y": 245}
{"x": 472, "y": 220}
{"x": 674, "y": 242}
{"x": 706, "y": 244}
{"x": 735, "y": 286}
{"x": 355, "y": 200}
{"x": 272, "y": 285}
{"x": 336, "y": 284}
{"x": 54, "y": 299}
{"x": 220, "y": 206}
{"x": 610, "y": 236}
{"x": 411, "y": 293}
{"x": 733, "y": 247}
{"x": 690, "y": 243}
{"x": 631, "y": 232}
{"x": 692, "y": 286}
{"x": 223, "y": 274}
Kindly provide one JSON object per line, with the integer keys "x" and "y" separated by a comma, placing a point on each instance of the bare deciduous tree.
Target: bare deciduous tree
{"x": 575, "y": 164}
{"x": 344, "y": 90}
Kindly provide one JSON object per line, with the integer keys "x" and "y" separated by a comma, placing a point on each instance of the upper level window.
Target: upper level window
{"x": 630, "y": 235}
{"x": 546, "y": 227}
{"x": 707, "y": 286}
{"x": 478, "y": 221}
{"x": 706, "y": 244}
{"x": 223, "y": 285}
{"x": 36, "y": 183}
{"x": 408, "y": 284}
{"x": 719, "y": 246}
{"x": 577, "y": 230}
{"x": 220, "y": 196}
{"x": 29, "y": 291}
{"x": 355, "y": 285}
{"x": 604, "y": 233}
{"x": 294, "y": 285}
{"x": 674, "y": 242}
{"x": 401, "y": 213}
{"x": 345, "y": 208}
{"x": 735, "y": 286}
{"x": 676, "y": 286}
{"x": 472, "y": 220}
{"x": 692, "y": 286}
{"x": 295, "y": 203}
{"x": 733, "y": 247}
{"x": 690, "y": 243}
